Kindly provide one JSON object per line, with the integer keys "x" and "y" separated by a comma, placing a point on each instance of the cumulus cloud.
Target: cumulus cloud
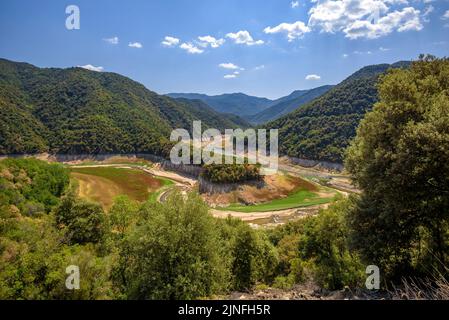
{"x": 294, "y": 4}
{"x": 210, "y": 41}
{"x": 190, "y": 48}
{"x": 333, "y": 16}
{"x": 345, "y": 55}
{"x": 445, "y": 15}
{"x": 113, "y": 40}
{"x": 136, "y": 45}
{"x": 362, "y": 52}
{"x": 170, "y": 41}
{"x": 92, "y": 68}
{"x": 261, "y": 67}
{"x": 364, "y": 18}
{"x": 230, "y": 76}
{"x": 293, "y": 30}
{"x": 405, "y": 20}
{"x": 244, "y": 37}
{"x": 313, "y": 77}
{"x": 229, "y": 66}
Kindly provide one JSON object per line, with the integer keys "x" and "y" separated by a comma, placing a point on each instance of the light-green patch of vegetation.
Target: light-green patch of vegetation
{"x": 300, "y": 198}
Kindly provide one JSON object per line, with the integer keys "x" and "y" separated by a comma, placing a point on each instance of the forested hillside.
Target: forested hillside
{"x": 322, "y": 129}
{"x": 288, "y": 104}
{"x": 80, "y": 111}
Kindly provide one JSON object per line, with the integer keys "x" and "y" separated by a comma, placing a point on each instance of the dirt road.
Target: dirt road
{"x": 267, "y": 218}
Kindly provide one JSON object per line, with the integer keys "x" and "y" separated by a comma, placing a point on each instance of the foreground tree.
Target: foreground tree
{"x": 83, "y": 221}
{"x": 174, "y": 253}
{"x": 400, "y": 159}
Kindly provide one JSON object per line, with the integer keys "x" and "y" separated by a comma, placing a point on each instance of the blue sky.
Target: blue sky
{"x": 265, "y": 48}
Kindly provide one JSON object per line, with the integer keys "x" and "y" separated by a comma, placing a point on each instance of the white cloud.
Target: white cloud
{"x": 364, "y": 18}
{"x": 405, "y": 20}
{"x": 92, "y": 68}
{"x": 384, "y": 49}
{"x": 236, "y": 72}
{"x": 244, "y": 37}
{"x": 362, "y": 52}
{"x": 136, "y": 45}
{"x": 170, "y": 41}
{"x": 345, "y": 55}
{"x": 313, "y": 77}
{"x": 113, "y": 40}
{"x": 429, "y": 10}
{"x": 445, "y": 15}
{"x": 333, "y": 16}
{"x": 190, "y": 48}
{"x": 209, "y": 40}
{"x": 230, "y": 76}
{"x": 294, "y": 4}
{"x": 229, "y": 66}
{"x": 261, "y": 67}
{"x": 293, "y": 30}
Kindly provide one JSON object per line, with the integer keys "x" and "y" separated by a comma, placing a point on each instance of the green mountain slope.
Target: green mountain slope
{"x": 235, "y": 103}
{"x": 79, "y": 111}
{"x": 288, "y": 104}
{"x": 322, "y": 129}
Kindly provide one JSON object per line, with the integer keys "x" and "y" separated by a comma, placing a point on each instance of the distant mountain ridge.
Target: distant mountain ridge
{"x": 288, "y": 104}
{"x": 254, "y": 109}
{"x": 74, "y": 111}
{"x": 235, "y": 103}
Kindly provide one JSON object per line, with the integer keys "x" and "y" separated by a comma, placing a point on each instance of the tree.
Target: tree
{"x": 254, "y": 258}
{"x": 323, "y": 245}
{"x": 173, "y": 253}
{"x": 400, "y": 159}
{"x": 122, "y": 215}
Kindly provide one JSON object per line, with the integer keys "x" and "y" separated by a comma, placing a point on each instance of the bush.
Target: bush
{"x": 324, "y": 246}
{"x": 32, "y": 185}
{"x": 254, "y": 258}
{"x": 173, "y": 253}
{"x": 84, "y": 222}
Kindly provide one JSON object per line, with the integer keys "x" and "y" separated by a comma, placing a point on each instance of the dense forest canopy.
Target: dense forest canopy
{"x": 231, "y": 173}
{"x": 79, "y": 111}
{"x": 322, "y": 129}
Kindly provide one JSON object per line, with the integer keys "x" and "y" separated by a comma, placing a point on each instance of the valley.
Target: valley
{"x": 87, "y": 176}
{"x": 286, "y": 196}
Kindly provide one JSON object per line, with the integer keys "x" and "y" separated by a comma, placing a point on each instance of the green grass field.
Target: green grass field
{"x": 103, "y": 184}
{"x": 301, "y": 198}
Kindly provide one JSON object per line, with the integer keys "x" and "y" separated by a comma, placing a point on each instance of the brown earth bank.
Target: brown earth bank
{"x": 275, "y": 187}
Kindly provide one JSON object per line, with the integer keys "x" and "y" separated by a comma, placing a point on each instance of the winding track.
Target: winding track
{"x": 186, "y": 184}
